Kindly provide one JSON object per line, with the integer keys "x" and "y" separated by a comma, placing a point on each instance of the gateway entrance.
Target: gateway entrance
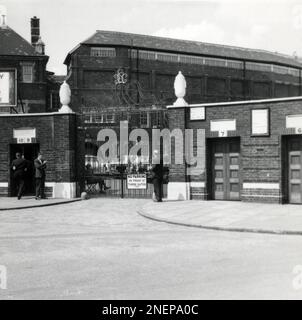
{"x": 30, "y": 152}
{"x": 225, "y": 168}
{"x": 295, "y": 169}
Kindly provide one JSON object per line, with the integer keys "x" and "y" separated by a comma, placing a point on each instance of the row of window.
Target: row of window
{"x": 99, "y": 118}
{"x": 102, "y": 52}
{"x": 143, "y": 119}
{"x": 181, "y": 58}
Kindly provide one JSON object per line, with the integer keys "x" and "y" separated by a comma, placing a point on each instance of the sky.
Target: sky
{"x": 274, "y": 25}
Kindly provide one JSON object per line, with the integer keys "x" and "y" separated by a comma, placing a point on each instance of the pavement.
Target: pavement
{"x": 103, "y": 249}
{"x": 228, "y": 216}
{"x": 12, "y": 203}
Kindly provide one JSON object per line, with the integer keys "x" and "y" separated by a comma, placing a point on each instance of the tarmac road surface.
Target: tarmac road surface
{"x": 102, "y": 249}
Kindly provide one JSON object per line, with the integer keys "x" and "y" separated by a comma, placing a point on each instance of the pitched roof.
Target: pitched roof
{"x": 113, "y": 38}
{"x": 11, "y": 43}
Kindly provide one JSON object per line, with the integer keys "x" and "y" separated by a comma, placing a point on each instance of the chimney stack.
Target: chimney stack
{"x": 35, "y": 30}
{"x": 3, "y": 14}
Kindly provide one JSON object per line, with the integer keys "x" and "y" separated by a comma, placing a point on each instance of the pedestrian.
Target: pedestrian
{"x": 40, "y": 174}
{"x": 157, "y": 176}
{"x": 19, "y": 167}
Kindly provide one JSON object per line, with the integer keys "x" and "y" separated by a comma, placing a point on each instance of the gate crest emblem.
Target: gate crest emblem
{"x": 120, "y": 77}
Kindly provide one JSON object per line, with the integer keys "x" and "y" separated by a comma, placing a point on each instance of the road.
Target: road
{"x": 102, "y": 249}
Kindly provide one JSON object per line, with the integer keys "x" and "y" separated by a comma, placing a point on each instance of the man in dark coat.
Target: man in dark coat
{"x": 19, "y": 167}
{"x": 157, "y": 176}
{"x": 40, "y": 167}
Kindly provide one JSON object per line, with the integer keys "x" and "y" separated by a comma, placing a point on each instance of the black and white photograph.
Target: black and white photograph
{"x": 150, "y": 150}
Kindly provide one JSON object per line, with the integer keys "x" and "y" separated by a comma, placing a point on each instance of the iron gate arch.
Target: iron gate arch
{"x": 110, "y": 180}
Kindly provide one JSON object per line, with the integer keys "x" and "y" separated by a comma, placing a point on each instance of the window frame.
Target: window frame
{"x": 103, "y": 52}
{"x": 30, "y": 65}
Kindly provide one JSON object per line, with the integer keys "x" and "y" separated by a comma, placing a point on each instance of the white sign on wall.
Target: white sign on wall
{"x": 136, "y": 181}
{"x": 4, "y": 87}
{"x": 197, "y": 113}
{"x": 8, "y": 87}
{"x": 294, "y": 121}
{"x": 260, "y": 122}
{"x": 25, "y": 135}
{"x": 223, "y": 126}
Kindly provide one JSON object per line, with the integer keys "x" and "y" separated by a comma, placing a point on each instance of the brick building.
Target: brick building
{"x": 249, "y": 151}
{"x": 26, "y": 85}
{"x": 60, "y": 140}
{"x": 147, "y": 66}
{"x": 213, "y": 72}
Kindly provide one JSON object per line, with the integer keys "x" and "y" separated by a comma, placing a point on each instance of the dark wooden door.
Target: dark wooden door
{"x": 226, "y": 169}
{"x": 295, "y": 170}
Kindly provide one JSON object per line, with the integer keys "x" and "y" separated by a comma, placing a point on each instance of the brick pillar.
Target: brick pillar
{"x": 178, "y": 187}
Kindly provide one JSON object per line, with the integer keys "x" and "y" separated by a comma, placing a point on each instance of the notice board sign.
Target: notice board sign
{"x": 197, "y": 113}
{"x": 294, "y": 121}
{"x": 25, "y": 135}
{"x": 8, "y": 88}
{"x": 136, "y": 181}
{"x": 260, "y": 122}
{"x": 223, "y": 126}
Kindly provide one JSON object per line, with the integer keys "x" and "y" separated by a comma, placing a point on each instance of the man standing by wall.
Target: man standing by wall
{"x": 19, "y": 167}
{"x": 40, "y": 166}
{"x": 157, "y": 176}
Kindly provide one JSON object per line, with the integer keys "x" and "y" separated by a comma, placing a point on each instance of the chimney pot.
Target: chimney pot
{"x": 35, "y": 30}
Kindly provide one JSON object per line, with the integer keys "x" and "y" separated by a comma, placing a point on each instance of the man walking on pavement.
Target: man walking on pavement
{"x": 19, "y": 167}
{"x": 40, "y": 167}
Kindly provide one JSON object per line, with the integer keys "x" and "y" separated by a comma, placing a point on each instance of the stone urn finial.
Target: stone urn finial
{"x": 65, "y": 98}
{"x": 180, "y": 86}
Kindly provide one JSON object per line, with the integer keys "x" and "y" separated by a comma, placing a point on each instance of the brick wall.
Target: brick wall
{"x": 59, "y": 139}
{"x": 261, "y": 158}
{"x": 92, "y": 80}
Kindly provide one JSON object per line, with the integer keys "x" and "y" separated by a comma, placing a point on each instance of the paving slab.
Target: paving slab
{"x": 228, "y": 215}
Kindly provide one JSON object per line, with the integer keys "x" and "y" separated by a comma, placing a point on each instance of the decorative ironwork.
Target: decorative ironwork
{"x": 120, "y": 77}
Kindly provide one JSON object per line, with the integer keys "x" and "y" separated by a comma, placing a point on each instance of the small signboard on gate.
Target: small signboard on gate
{"x": 136, "y": 181}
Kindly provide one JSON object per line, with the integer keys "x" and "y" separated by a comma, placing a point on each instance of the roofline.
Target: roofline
{"x": 192, "y": 41}
{"x": 24, "y": 39}
{"x": 75, "y": 48}
{"x": 43, "y": 56}
{"x": 190, "y": 54}
{"x": 295, "y": 62}
{"x": 243, "y": 102}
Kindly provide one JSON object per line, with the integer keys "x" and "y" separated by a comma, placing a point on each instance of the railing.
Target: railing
{"x": 118, "y": 188}
{"x": 147, "y": 118}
